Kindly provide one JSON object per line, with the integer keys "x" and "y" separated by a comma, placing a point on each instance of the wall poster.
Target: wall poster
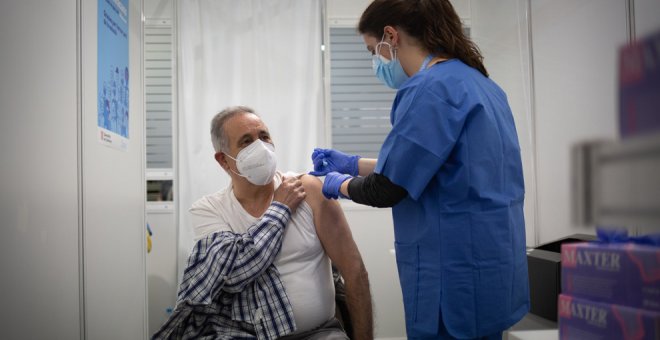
{"x": 113, "y": 73}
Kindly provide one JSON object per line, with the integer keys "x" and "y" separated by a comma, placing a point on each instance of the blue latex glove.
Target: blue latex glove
{"x": 332, "y": 184}
{"x": 329, "y": 160}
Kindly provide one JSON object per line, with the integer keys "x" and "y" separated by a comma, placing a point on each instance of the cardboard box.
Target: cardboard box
{"x": 639, "y": 85}
{"x": 544, "y": 268}
{"x": 620, "y": 273}
{"x": 583, "y": 319}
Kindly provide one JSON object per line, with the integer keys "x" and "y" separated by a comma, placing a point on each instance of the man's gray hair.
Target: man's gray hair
{"x": 218, "y": 134}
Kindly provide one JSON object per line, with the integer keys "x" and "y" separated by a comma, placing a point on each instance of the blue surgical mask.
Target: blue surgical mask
{"x": 389, "y": 72}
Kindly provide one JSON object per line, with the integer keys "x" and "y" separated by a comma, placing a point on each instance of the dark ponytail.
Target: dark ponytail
{"x": 434, "y": 23}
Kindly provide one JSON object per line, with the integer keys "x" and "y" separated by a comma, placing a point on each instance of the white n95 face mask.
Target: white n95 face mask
{"x": 256, "y": 162}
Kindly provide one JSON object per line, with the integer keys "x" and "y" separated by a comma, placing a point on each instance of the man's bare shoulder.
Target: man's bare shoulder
{"x": 311, "y": 181}
{"x": 313, "y": 186}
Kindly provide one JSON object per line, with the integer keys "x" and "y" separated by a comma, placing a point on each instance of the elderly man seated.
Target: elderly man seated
{"x": 261, "y": 265}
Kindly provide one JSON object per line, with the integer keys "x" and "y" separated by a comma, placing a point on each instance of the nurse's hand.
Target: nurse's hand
{"x": 332, "y": 185}
{"x": 328, "y": 160}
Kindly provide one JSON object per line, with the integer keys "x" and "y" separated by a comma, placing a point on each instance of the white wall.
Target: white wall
{"x": 575, "y": 46}
{"x": 346, "y": 10}
{"x": 72, "y": 210}
{"x": 39, "y": 171}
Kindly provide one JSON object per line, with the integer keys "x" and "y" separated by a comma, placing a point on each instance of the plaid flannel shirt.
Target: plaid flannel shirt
{"x": 230, "y": 287}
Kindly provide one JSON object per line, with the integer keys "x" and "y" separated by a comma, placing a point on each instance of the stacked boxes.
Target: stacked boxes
{"x": 609, "y": 291}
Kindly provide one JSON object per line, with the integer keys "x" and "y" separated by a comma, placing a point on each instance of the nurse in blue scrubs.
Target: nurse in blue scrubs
{"x": 450, "y": 169}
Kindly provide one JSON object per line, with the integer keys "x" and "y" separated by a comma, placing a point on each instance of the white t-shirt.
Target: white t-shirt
{"x": 303, "y": 265}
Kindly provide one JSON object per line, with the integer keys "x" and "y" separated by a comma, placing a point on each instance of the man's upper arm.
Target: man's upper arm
{"x": 335, "y": 236}
{"x": 332, "y": 228}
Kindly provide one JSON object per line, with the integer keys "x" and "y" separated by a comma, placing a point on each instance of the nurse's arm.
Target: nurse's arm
{"x": 366, "y": 166}
{"x": 335, "y": 236}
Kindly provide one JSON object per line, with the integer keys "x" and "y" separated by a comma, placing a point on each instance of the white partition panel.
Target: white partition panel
{"x": 113, "y": 199}
{"x": 39, "y": 243}
{"x": 575, "y": 47}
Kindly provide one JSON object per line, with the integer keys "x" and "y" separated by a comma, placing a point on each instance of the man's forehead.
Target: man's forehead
{"x": 242, "y": 124}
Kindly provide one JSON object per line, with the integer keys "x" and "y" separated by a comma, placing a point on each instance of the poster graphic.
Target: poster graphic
{"x": 113, "y": 73}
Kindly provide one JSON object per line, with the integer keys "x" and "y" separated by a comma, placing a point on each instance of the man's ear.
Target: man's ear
{"x": 221, "y": 159}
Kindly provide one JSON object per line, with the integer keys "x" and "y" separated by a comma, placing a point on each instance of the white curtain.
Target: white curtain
{"x": 265, "y": 54}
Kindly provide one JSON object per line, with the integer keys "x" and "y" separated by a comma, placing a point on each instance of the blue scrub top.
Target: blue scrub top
{"x": 460, "y": 233}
